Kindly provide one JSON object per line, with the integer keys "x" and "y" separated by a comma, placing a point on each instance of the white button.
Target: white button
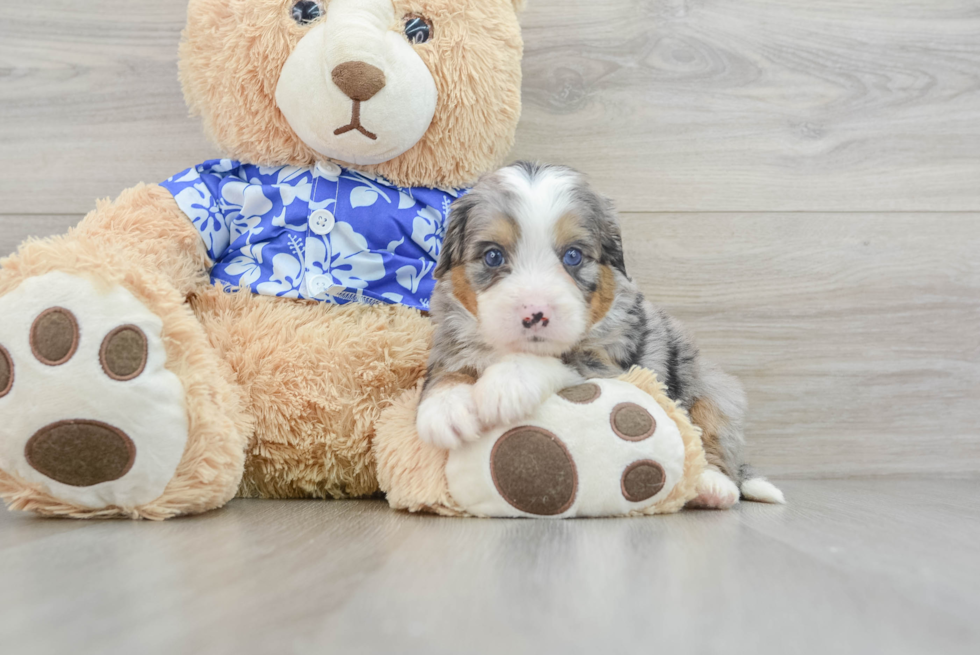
{"x": 322, "y": 221}
{"x": 327, "y": 169}
{"x": 317, "y": 285}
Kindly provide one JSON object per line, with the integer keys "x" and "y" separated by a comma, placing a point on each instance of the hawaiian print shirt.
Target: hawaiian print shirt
{"x": 326, "y": 233}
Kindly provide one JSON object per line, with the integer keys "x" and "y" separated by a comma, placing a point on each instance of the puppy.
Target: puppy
{"x": 532, "y": 296}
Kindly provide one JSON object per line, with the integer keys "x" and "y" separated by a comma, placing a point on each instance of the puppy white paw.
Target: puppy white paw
{"x": 506, "y": 394}
{"x": 448, "y": 417}
{"x": 715, "y": 491}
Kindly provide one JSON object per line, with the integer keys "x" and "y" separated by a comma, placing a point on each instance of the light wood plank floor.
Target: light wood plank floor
{"x": 853, "y": 566}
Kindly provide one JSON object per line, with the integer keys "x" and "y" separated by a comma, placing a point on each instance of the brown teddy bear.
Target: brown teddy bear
{"x": 134, "y": 383}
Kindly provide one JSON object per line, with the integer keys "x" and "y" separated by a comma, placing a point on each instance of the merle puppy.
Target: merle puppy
{"x": 533, "y": 296}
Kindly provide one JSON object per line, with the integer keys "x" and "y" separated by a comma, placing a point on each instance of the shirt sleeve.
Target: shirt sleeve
{"x": 196, "y": 192}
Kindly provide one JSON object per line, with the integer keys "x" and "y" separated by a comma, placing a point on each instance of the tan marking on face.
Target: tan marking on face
{"x": 568, "y": 229}
{"x": 605, "y": 293}
{"x": 706, "y": 415}
{"x": 500, "y": 230}
{"x": 463, "y": 290}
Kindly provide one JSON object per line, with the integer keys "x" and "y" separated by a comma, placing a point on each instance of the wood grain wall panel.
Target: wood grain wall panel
{"x": 90, "y": 103}
{"x": 857, "y": 336}
{"x": 756, "y": 105}
{"x": 672, "y": 105}
{"x": 14, "y": 229}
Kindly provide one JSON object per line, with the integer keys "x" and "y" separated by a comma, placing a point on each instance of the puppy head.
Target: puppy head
{"x": 532, "y": 253}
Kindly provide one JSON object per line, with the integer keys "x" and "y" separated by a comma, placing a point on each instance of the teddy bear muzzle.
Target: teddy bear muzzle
{"x": 354, "y": 89}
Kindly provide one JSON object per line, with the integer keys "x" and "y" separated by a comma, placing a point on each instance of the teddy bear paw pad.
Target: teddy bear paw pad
{"x": 88, "y": 410}
{"x": 602, "y": 448}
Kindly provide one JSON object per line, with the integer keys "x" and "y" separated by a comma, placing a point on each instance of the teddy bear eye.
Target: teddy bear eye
{"x": 306, "y": 11}
{"x": 418, "y": 29}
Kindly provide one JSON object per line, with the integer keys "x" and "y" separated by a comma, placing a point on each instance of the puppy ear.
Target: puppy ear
{"x": 454, "y": 244}
{"x": 611, "y": 238}
{"x": 605, "y": 227}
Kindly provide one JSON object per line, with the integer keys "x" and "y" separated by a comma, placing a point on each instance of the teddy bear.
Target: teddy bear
{"x": 241, "y": 327}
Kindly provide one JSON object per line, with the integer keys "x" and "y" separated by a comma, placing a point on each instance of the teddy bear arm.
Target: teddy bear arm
{"x": 145, "y": 225}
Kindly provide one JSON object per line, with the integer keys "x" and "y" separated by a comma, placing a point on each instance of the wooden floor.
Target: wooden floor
{"x": 849, "y": 566}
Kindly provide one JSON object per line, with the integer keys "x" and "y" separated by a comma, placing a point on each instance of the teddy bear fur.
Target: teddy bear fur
{"x": 282, "y": 395}
{"x": 229, "y": 63}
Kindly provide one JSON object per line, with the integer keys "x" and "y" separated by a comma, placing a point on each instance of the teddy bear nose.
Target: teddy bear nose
{"x": 359, "y": 80}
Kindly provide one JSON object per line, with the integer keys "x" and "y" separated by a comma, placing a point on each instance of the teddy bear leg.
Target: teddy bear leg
{"x": 317, "y": 377}
{"x": 601, "y": 448}
{"x": 112, "y": 401}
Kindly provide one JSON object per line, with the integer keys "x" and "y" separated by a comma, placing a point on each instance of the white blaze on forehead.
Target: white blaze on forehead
{"x": 540, "y": 201}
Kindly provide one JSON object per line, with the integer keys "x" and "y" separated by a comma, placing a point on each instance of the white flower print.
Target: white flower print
{"x": 344, "y": 255}
{"x": 287, "y": 273}
{"x": 428, "y": 230}
{"x": 368, "y": 193}
{"x": 280, "y": 221}
{"x": 247, "y": 265}
{"x": 405, "y": 201}
{"x": 300, "y": 191}
{"x": 200, "y": 207}
{"x": 245, "y": 206}
{"x": 409, "y": 276}
{"x": 189, "y": 175}
{"x": 223, "y": 166}
{"x": 293, "y": 185}
{"x": 363, "y": 196}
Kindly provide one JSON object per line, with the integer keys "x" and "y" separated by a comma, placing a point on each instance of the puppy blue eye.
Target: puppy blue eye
{"x": 493, "y": 258}
{"x": 418, "y": 29}
{"x": 306, "y": 11}
{"x": 573, "y": 257}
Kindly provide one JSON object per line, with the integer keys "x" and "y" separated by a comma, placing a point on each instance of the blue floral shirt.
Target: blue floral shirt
{"x": 326, "y": 233}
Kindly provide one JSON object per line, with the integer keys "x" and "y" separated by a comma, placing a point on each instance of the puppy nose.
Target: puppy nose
{"x": 536, "y": 316}
{"x": 358, "y": 80}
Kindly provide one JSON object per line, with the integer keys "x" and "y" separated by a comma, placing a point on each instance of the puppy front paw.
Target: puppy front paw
{"x": 447, "y": 417}
{"x": 506, "y": 397}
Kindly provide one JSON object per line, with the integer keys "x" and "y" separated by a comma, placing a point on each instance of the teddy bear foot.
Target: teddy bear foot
{"x": 603, "y": 448}
{"x": 89, "y": 415}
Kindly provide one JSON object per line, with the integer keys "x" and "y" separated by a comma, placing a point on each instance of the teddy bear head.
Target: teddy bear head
{"x": 422, "y": 92}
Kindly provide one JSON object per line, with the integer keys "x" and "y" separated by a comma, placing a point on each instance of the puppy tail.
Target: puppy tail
{"x": 762, "y": 491}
